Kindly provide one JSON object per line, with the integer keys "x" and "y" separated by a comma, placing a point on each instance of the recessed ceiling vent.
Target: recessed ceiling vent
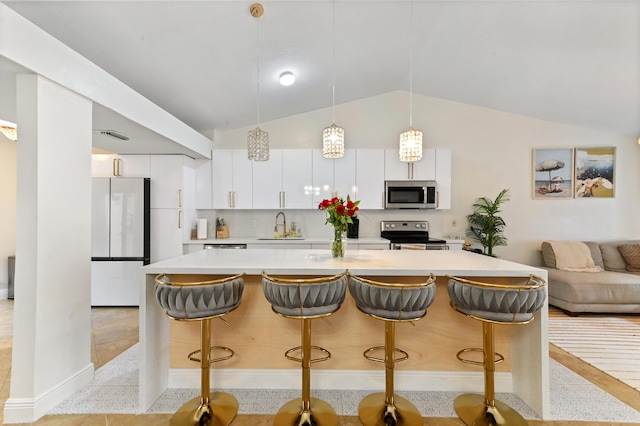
{"x": 113, "y": 134}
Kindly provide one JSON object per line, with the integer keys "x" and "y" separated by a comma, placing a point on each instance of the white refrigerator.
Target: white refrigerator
{"x": 120, "y": 243}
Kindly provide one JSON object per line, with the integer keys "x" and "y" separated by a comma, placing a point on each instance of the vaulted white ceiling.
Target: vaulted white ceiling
{"x": 573, "y": 62}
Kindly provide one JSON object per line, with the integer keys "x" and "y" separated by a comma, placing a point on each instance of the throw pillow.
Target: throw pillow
{"x": 631, "y": 255}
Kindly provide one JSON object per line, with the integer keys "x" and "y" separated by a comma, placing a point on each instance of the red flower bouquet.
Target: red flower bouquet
{"x": 340, "y": 213}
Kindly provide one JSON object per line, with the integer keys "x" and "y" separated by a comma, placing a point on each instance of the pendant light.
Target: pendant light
{"x": 333, "y": 136}
{"x": 257, "y": 139}
{"x": 411, "y": 139}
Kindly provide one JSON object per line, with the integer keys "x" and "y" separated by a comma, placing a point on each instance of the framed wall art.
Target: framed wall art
{"x": 595, "y": 171}
{"x": 553, "y": 173}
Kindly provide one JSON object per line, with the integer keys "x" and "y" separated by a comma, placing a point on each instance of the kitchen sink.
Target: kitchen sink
{"x": 281, "y": 238}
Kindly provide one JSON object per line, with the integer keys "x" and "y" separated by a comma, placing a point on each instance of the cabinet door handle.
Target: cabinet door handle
{"x": 179, "y": 197}
{"x": 232, "y": 199}
{"x": 117, "y": 162}
{"x": 180, "y": 219}
{"x": 409, "y": 170}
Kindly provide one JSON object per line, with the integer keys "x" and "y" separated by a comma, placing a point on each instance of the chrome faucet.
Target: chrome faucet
{"x": 284, "y": 224}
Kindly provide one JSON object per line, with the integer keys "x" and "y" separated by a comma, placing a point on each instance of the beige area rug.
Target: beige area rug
{"x": 611, "y": 343}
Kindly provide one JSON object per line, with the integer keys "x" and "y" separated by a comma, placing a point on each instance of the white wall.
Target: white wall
{"x": 8, "y": 172}
{"x": 52, "y": 313}
{"x": 492, "y": 150}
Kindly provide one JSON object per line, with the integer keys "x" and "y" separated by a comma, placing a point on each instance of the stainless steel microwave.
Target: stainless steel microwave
{"x": 410, "y": 194}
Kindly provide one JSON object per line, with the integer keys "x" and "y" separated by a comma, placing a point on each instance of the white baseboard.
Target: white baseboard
{"x": 443, "y": 381}
{"x": 4, "y": 293}
{"x": 27, "y": 410}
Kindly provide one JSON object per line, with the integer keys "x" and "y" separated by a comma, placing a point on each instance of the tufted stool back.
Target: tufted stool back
{"x": 392, "y": 301}
{"x": 184, "y": 301}
{"x": 305, "y": 298}
{"x": 498, "y": 302}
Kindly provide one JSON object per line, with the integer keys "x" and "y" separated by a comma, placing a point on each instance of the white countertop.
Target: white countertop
{"x": 304, "y": 240}
{"x": 320, "y": 262}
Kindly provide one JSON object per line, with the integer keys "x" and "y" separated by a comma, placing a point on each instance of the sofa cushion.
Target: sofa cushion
{"x": 549, "y": 257}
{"x": 631, "y": 255}
{"x": 594, "y": 287}
{"x": 613, "y": 260}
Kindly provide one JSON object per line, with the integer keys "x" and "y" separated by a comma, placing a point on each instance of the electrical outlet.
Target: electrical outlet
{"x": 454, "y": 222}
{"x": 254, "y": 223}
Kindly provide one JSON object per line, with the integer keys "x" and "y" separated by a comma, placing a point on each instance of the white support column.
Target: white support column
{"x": 52, "y": 313}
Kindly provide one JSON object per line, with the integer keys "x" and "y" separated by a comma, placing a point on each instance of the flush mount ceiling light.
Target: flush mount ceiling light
{"x": 8, "y": 129}
{"x": 333, "y": 136}
{"x": 257, "y": 139}
{"x": 410, "y": 140}
{"x": 113, "y": 134}
{"x": 287, "y": 78}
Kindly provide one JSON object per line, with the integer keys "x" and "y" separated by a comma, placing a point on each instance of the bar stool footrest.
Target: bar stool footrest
{"x": 327, "y": 355}
{"x": 229, "y": 355}
{"x": 497, "y": 357}
{"x": 404, "y": 357}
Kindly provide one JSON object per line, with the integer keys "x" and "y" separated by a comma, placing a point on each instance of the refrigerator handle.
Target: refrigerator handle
{"x": 180, "y": 219}
{"x": 179, "y": 197}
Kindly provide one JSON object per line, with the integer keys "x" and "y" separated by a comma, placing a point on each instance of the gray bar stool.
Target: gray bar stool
{"x": 391, "y": 303}
{"x": 203, "y": 301}
{"x": 492, "y": 304}
{"x": 305, "y": 299}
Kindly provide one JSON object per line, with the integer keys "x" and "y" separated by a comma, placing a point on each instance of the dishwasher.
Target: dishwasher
{"x": 224, "y": 246}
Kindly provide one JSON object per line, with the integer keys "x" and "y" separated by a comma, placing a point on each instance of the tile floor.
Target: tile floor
{"x": 115, "y": 334}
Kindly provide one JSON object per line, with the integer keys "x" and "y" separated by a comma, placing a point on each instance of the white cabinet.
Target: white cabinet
{"x": 283, "y": 182}
{"x": 172, "y": 204}
{"x": 203, "y": 192}
{"x": 167, "y": 233}
{"x": 443, "y": 177}
{"x": 267, "y": 182}
{"x": 333, "y": 177}
{"x": 114, "y": 165}
{"x": 297, "y": 179}
{"x": 322, "y": 177}
{"x": 370, "y": 178}
{"x": 171, "y": 184}
{"x": 394, "y": 169}
{"x": 231, "y": 179}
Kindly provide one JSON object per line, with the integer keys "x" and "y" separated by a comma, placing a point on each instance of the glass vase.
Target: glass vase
{"x": 339, "y": 244}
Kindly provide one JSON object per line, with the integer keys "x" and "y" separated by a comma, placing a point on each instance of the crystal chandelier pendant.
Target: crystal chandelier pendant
{"x": 333, "y": 142}
{"x": 258, "y": 145}
{"x": 410, "y": 145}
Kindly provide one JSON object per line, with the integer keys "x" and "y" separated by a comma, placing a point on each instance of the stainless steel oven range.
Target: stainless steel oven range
{"x": 410, "y": 235}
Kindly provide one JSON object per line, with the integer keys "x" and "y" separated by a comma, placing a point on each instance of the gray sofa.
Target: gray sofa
{"x": 613, "y": 290}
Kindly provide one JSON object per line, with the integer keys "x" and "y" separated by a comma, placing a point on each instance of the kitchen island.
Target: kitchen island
{"x": 260, "y": 337}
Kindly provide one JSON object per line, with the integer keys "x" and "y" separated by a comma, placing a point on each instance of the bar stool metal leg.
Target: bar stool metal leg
{"x": 215, "y": 409}
{"x": 479, "y": 410}
{"x": 387, "y": 409}
{"x": 306, "y": 411}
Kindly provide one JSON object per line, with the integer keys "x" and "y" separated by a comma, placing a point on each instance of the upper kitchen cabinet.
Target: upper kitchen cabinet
{"x": 333, "y": 176}
{"x": 443, "y": 177}
{"x": 203, "y": 191}
{"x": 344, "y": 174}
{"x": 114, "y": 165}
{"x": 231, "y": 179}
{"x": 370, "y": 178}
{"x": 322, "y": 177}
{"x": 297, "y": 179}
{"x": 172, "y": 181}
{"x": 283, "y": 182}
{"x": 425, "y": 169}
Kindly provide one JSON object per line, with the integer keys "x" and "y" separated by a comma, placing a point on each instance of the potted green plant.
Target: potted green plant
{"x": 484, "y": 224}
